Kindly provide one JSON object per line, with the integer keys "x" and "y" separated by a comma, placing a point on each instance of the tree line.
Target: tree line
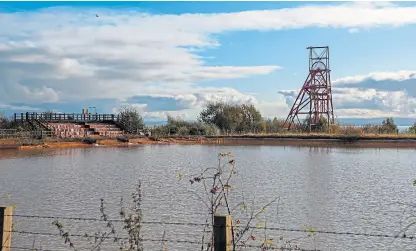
{"x": 228, "y": 118}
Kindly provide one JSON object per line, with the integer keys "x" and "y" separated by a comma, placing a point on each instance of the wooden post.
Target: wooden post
{"x": 222, "y": 233}
{"x": 5, "y": 228}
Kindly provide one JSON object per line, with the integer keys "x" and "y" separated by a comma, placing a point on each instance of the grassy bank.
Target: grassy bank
{"x": 73, "y": 143}
{"x": 314, "y": 136}
{"x": 330, "y": 140}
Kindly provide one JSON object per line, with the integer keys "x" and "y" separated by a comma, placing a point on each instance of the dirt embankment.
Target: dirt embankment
{"x": 282, "y": 140}
{"x": 16, "y": 144}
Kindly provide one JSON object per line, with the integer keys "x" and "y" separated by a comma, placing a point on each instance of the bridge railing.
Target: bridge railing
{"x": 61, "y": 117}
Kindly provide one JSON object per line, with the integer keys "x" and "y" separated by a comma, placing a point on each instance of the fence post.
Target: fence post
{"x": 5, "y": 228}
{"x": 222, "y": 233}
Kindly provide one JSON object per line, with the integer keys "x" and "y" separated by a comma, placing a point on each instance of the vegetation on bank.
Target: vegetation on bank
{"x": 221, "y": 118}
{"x": 130, "y": 120}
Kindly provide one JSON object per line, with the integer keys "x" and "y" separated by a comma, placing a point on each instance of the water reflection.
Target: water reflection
{"x": 340, "y": 189}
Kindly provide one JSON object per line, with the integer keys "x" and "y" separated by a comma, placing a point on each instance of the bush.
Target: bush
{"x": 350, "y": 131}
{"x": 89, "y": 140}
{"x": 231, "y": 117}
{"x": 321, "y": 126}
{"x": 173, "y": 129}
{"x": 183, "y": 131}
{"x": 371, "y": 129}
{"x": 154, "y": 138}
{"x": 122, "y": 139}
{"x": 178, "y": 126}
{"x": 209, "y": 130}
{"x": 130, "y": 120}
{"x": 412, "y": 129}
{"x": 160, "y": 131}
{"x": 194, "y": 131}
{"x": 7, "y": 123}
{"x": 388, "y": 126}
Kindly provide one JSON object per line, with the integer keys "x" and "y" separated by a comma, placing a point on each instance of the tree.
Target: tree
{"x": 213, "y": 114}
{"x": 178, "y": 126}
{"x": 412, "y": 129}
{"x": 388, "y": 126}
{"x": 321, "y": 126}
{"x": 3, "y": 121}
{"x": 270, "y": 126}
{"x": 251, "y": 118}
{"x": 130, "y": 119}
{"x": 231, "y": 117}
{"x": 6, "y": 123}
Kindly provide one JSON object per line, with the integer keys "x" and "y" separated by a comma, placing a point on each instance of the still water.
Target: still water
{"x": 329, "y": 189}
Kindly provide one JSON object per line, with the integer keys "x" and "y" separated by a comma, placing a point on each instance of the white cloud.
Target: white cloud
{"x": 68, "y": 54}
{"x": 271, "y": 109}
{"x": 353, "y": 30}
{"x": 365, "y": 113}
{"x": 377, "y": 76}
{"x": 18, "y": 108}
{"x": 377, "y": 94}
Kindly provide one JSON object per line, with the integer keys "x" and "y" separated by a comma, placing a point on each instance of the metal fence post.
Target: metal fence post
{"x": 222, "y": 233}
{"x": 5, "y": 228}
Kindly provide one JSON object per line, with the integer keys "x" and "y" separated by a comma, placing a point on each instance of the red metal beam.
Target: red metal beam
{"x": 315, "y": 92}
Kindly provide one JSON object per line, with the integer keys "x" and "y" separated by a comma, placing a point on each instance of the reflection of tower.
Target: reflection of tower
{"x": 315, "y": 97}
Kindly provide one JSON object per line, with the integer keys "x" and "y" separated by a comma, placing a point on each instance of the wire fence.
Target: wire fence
{"x": 183, "y": 241}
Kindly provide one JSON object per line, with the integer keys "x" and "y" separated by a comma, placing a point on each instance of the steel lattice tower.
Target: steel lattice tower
{"x": 315, "y": 97}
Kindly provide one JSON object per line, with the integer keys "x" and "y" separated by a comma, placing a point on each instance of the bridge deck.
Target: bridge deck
{"x": 64, "y": 117}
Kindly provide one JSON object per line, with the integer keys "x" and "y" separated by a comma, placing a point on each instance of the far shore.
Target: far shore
{"x": 304, "y": 140}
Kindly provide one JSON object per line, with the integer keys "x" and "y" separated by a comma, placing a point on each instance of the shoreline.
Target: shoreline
{"x": 367, "y": 141}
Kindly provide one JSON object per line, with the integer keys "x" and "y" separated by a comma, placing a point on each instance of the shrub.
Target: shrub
{"x": 122, "y": 139}
{"x": 89, "y": 140}
{"x": 388, "y": 126}
{"x": 350, "y": 131}
{"x": 371, "y": 129}
{"x": 231, "y": 117}
{"x": 194, "y": 130}
{"x": 321, "y": 126}
{"x": 160, "y": 131}
{"x": 412, "y": 129}
{"x": 183, "y": 131}
{"x": 130, "y": 120}
{"x": 209, "y": 130}
{"x": 178, "y": 126}
{"x": 7, "y": 123}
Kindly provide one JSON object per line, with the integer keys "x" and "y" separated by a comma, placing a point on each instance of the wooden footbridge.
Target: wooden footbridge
{"x": 72, "y": 125}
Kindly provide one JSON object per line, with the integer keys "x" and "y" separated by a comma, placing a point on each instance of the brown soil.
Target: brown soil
{"x": 8, "y": 144}
{"x": 302, "y": 140}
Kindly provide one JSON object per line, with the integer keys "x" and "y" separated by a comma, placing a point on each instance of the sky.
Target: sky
{"x": 173, "y": 57}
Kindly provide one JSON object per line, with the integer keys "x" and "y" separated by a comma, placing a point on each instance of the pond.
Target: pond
{"x": 333, "y": 190}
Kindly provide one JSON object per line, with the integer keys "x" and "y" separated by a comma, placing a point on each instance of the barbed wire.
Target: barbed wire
{"x": 281, "y": 248}
{"x": 143, "y": 239}
{"x": 26, "y": 248}
{"x": 404, "y": 236}
{"x": 108, "y": 220}
{"x": 101, "y": 237}
{"x": 249, "y": 246}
